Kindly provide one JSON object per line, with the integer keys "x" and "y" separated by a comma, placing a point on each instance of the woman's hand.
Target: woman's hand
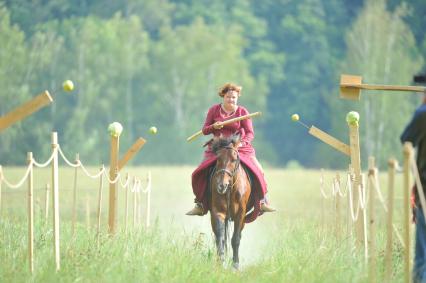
{"x": 218, "y": 125}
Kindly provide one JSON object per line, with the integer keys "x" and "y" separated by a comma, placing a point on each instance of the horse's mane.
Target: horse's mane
{"x": 222, "y": 142}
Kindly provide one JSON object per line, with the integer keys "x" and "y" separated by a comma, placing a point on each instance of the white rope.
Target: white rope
{"x": 108, "y": 178}
{"x": 376, "y": 185}
{"x": 90, "y": 175}
{"x": 322, "y": 185}
{"x": 74, "y": 165}
{"x": 351, "y": 206}
{"x": 45, "y": 164}
{"x": 19, "y": 184}
{"x": 126, "y": 183}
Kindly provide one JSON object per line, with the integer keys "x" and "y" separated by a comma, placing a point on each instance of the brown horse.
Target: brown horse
{"x": 230, "y": 192}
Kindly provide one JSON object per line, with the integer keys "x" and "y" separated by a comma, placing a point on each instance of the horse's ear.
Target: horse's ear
{"x": 236, "y": 140}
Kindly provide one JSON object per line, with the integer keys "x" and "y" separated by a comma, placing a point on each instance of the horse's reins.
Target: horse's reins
{"x": 233, "y": 173}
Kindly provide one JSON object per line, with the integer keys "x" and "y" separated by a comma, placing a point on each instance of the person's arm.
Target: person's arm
{"x": 247, "y": 129}
{"x": 208, "y": 124}
{"x": 414, "y": 131}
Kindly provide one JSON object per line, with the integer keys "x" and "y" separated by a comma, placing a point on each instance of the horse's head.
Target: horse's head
{"x": 227, "y": 162}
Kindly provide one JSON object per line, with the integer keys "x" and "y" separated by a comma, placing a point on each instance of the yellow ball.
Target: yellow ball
{"x": 153, "y": 130}
{"x": 352, "y": 118}
{"x": 68, "y": 85}
{"x": 295, "y": 117}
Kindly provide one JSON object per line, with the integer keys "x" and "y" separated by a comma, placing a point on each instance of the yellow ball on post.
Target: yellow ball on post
{"x": 153, "y": 130}
{"x": 68, "y": 85}
{"x": 295, "y": 117}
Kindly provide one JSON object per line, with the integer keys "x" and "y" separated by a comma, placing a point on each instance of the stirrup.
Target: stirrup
{"x": 266, "y": 208}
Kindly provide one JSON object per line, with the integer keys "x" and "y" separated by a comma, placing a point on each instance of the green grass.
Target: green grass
{"x": 295, "y": 244}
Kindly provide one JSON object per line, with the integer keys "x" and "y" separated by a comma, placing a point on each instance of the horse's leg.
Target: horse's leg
{"x": 236, "y": 237}
{"x": 218, "y": 225}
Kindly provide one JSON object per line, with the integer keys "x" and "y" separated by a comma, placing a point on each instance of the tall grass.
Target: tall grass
{"x": 295, "y": 244}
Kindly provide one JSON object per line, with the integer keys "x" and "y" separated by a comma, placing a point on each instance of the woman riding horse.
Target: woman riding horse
{"x": 218, "y": 113}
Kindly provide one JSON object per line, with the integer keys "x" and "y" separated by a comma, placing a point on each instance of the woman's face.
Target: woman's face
{"x": 230, "y": 98}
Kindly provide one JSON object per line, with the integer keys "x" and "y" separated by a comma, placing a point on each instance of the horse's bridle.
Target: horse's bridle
{"x": 231, "y": 174}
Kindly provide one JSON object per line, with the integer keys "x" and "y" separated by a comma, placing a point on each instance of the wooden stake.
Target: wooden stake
{"x": 407, "y": 150}
{"x": 338, "y": 210}
{"x": 30, "y": 213}
{"x": 25, "y": 110}
{"x": 46, "y": 203}
{"x": 74, "y": 197}
{"x": 1, "y": 182}
{"x": 127, "y": 205}
{"x": 372, "y": 221}
{"x": 113, "y": 193}
{"x": 356, "y": 164}
{"x": 101, "y": 185}
{"x": 88, "y": 212}
{"x": 389, "y": 239}
{"x": 135, "y": 206}
{"x": 55, "y": 199}
{"x": 148, "y": 201}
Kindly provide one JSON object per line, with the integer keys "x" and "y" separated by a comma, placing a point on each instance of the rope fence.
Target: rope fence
{"x": 132, "y": 185}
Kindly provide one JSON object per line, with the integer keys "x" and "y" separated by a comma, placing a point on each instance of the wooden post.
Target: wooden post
{"x": 101, "y": 184}
{"x": 337, "y": 185}
{"x": 87, "y": 212}
{"x": 349, "y": 217}
{"x": 46, "y": 203}
{"x": 148, "y": 201}
{"x": 372, "y": 221}
{"x": 356, "y": 164}
{"x": 389, "y": 239}
{"x": 74, "y": 196}
{"x": 113, "y": 193}
{"x": 135, "y": 205}
{"x": 126, "y": 214}
{"x": 30, "y": 213}
{"x": 1, "y": 182}
{"x": 407, "y": 150}
{"x": 55, "y": 199}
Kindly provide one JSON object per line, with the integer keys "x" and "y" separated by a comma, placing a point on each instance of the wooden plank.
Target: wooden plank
{"x": 385, "y": 87}
{"x": 25, "y": 110}
{"x": 131, "y": 152}
{"x": 330, "y": 140}
{"x": 350, "y": 93}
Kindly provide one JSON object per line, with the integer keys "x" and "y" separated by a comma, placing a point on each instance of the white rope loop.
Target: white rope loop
{"x": 21, "y": 182}
{"x": 74, "y": 165}
{"x": 45, "y": 164}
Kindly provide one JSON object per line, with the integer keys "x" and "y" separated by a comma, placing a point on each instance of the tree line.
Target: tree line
{"x": 160, "y": 63}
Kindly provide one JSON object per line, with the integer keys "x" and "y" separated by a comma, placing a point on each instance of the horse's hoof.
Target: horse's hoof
{"x": 236, "y": 266}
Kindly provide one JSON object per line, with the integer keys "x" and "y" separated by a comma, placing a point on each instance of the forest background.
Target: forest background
{"x": 161, "y": 62}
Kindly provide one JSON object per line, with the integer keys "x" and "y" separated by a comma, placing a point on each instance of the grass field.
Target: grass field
{"x": 294, "y": 244}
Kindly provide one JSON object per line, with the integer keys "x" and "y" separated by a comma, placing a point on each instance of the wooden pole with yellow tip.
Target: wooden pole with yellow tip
{"x": 116, "y": 165}
{"x": 226, "y": 122}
